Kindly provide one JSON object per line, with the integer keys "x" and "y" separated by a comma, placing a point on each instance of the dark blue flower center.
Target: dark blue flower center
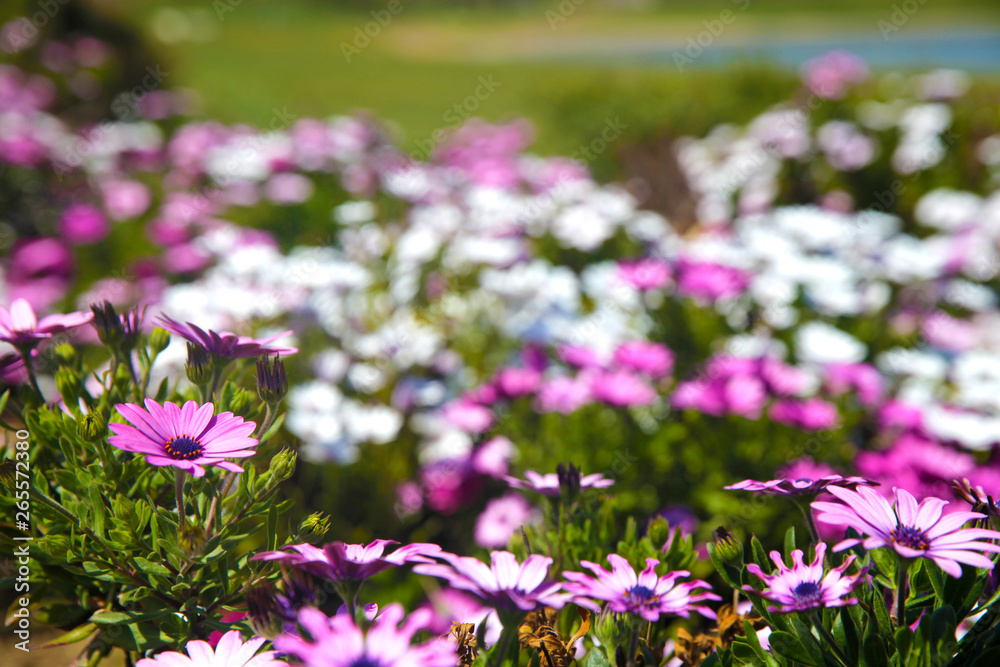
{"x": 908, "y": 536}
{"x": 808, "y": 592}
{"x": 365, "y": 661}
{"x": 184, "y": 448}
{"x": 641, "y": 596}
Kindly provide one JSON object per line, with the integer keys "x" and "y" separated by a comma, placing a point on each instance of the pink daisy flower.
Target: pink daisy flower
{"x": 909, "y": 529}
{"x": 338, "y": 642}
{"x": 21, "y": 328}
{"x": 804, "y": 587}
{"x": 231, "y": 651}
{"x": 802, "y": 486}
{"x": 187, "y": 438}
{"x": 225, "y": 344}
{"x": 548, "y": 485}
{"x": 505, "y": 585}
{"x": 338, "y": 561}
{"x": 645, "y": 594}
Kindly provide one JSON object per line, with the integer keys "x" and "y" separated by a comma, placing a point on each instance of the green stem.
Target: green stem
{"x": 633, "y": 645}
{"x": 899, "y": 607}
{"x": 269, "y": 416}
{"x": 179, "y": 491}
{"x": 26, "y": 356}
{"x": 807, "y": 515}
{"x": 131, "y": 373}
{"x": 510, "y": 632}
{"x": 562, "y": 533}
{"x": 828, "y": 638}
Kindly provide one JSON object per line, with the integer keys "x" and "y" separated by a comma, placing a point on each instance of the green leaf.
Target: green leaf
{"x": 97, "y": 507}
{"x": 743, "y": 651}
{"x": 272, "y": 528}
{"x": 75, "y": 635}
{"x": 874, "y": 652}
{"x": 789, "y": 540}
{"x": 3, "y": 401}
{"x": 943, "y": 624}
{"x": 936, "y": 578}
{"x": 273, "y": 430}
{"x": 104, "y": 617}
{"x": 162, "y": 391}
{"x": 904, "y": 641}
{"x": 851, "y": 640}
{"x": 786, "y": 644}
{"x": 596, "y": 658}
{"x": 150, "y": 567}
{"x": 759, "y": 555}
{"x": 751, "y": 639}
{"x": 885, "y": 562}
{"x": 881, "y": 613}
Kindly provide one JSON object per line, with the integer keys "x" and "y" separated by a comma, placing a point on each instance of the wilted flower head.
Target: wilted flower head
{"x": 226, "y": 345}
{"x": 504, "y": 585}
{"x": 804, "y": 586}
{"x": 188, "y": 437}
{"x": 911, "y": 530}
{"x": 645, "y": 594}
{"x": 342, "y": 562}
{"x": 231, "y": 651}
{"x": 338, "y": 642}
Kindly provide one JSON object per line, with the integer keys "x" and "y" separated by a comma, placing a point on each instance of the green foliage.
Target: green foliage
{"x": 112, "y": 561}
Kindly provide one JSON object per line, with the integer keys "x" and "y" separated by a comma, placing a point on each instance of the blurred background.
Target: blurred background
{"x": 656, "y": 68}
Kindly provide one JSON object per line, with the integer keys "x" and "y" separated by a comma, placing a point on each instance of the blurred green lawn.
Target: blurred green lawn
{"x": 288, "y": 56}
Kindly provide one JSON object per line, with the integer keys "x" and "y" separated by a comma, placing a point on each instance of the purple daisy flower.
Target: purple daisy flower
{"x": 338, "y": 642}
{"x": 911, "y": 530}
{"x": 548, "y": 485}
{"x": 804, "y": 587}
{"x": 225, "y": 344}
{"x": 20, "y": 327}
{"x": 187, "y": 438}
{"x": 803, "y": 486}
{"x": 645, "y": 594}
{"x": 341, "y": 562}
{"x": 231, "y": 651}
{"x": 505, "y": 584}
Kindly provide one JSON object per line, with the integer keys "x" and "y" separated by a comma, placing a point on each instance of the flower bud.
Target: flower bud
{"x": 159, "y": 339}
{"x": 92, "y": 427}
{"x": 191, "y": 538}
{"x": 727, "y": 547}
{"x": 69, "y": 385}
{"x": 266, "y": 610}
{"x": 109, "y": 326}
{"x": 241, "y": 402}
{"x": 282, "y": 466}
{"x": 65, "y": 353}
{"x": 272, "y": 383}
{"x": 569, "y": 480}
{"x": 313, "y": 527}
{"x": 659, "y": 532}
{"x": 199, "y": 365}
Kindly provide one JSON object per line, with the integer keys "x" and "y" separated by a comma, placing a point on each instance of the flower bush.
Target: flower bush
{"x": 290, "y": 390}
